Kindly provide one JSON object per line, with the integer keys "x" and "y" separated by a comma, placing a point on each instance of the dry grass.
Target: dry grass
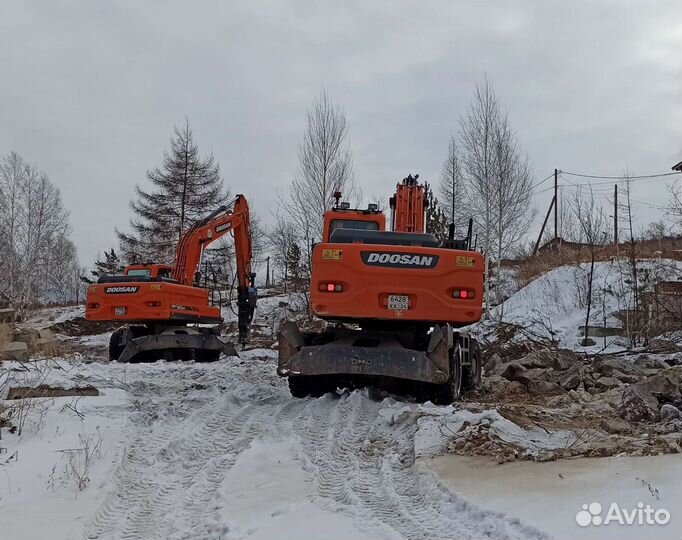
{"x": 6, "y": 333}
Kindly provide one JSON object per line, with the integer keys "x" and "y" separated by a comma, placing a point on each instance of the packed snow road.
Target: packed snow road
{"x": 221, "y": 451}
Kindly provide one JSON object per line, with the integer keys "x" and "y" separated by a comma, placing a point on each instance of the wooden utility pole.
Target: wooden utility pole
{"x": 556, "y": 205}
{"x": 267, "y": 272}
{"x": 544, "y": 224}
{"x": 615, "y": 214}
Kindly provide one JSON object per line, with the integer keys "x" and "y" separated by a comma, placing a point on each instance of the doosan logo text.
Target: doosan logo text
{"x": 121, "y": 289}
{"x": 399, "y": 260}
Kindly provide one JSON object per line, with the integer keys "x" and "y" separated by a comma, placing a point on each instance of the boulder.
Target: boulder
{"x": 492, "y": 363}
{"x": 564, "y": 359}
{"x": 42, "y": 344}
{"x": 511, "y": 371}
{"x": 27, "y": 335}
{"x": 571, "y": 378}
{"x": 614, "y": 425}
{"x": 638, "y": 405}
{"x": 14, "y": 350}
{"x": 7, "y": 315}
{"x": 538, "y": 359}
{"x": 608, "y": 366}
{"x": 47, "y": 334}
{"x": 544, "y": 388}
{"x": 663, "y": 346}
{"x": 664, "y": 386}
{"x": 647, "y": 362}
{"x": 670, "y": 412}
{"x": 606, "y": 383}
{"x": 624, "y": 377}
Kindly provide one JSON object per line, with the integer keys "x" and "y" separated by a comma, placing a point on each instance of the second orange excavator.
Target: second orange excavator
{"x": 165, "y": 311}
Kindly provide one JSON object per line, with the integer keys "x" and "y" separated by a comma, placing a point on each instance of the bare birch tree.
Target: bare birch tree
{"x": 498, "y": 176}
{"x": 477, "y": 140}
{"x": 34, "y": 228}
{"x": 625, "y": 210}
{"x": 593, "y": 226}
{"x": 325, "y": 166}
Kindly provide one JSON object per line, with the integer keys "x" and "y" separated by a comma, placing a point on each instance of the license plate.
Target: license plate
{"x": 120, "y": 310}
{"x": 398, "y": 302}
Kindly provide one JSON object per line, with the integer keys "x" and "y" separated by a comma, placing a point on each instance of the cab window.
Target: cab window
{"x": 353, "y": 224}
{"x": 139, "y": 272}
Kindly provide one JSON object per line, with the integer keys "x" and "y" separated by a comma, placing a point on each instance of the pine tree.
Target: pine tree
{"x": 184, "y": 189}
{"x": 111, "y": 265}
{"x": 294, "y": 261}
{"x": 436, "y": 220}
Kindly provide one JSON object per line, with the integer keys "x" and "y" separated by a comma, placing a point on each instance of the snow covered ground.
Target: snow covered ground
{"x": 222, "y": 451}
{"x": 549, "y": 495}
{"x": 552, "y": 306}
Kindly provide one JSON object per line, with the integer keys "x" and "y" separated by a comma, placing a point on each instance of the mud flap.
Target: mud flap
{"x": 349, "y": 355}
{"x": 161, "y": 342}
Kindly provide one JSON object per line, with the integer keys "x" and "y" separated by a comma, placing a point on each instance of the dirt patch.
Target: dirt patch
{"x": 47, "y": 391}
{"x": 80, "y": 326}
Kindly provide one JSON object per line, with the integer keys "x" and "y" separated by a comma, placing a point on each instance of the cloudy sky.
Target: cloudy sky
{"x": 90, "y": 91}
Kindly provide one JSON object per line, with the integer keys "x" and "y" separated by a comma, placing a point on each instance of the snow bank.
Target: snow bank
{"x": 553, "y": 305}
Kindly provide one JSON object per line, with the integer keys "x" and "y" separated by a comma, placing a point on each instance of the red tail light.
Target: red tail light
{"x": 331, "y": 287}
{"x": 465, "y": 294}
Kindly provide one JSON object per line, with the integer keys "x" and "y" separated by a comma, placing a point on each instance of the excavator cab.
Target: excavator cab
{"x": 342, "y": 216}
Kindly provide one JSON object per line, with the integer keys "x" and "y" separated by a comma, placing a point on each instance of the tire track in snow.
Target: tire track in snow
{"x": 189, "y": 425}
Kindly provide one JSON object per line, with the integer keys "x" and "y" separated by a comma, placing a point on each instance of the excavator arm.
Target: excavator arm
{"x": 235, "y": 219}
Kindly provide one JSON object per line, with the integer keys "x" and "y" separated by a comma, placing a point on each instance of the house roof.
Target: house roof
{"x": 678, "y": 167}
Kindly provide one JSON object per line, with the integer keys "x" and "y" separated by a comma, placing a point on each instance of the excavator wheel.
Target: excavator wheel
{"x": 471, "y": 375}
{"x": 449, "y": 392}
{"x": 302, "y": 386}
{"x": 115, "y": 347}
{"x": 206, "y": 355}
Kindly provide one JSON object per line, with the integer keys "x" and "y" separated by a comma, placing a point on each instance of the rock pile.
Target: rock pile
{"x": 642, "y": 388}
{"x": 19, "y": 343}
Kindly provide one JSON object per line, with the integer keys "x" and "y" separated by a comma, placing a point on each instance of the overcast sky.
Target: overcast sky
{"x": 90, "y": 91}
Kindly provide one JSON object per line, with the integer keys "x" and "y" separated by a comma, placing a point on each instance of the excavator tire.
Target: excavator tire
{"x": 448, "y": 393}
{"x": 471, "y": 374}
{"x": 115, "y": 347}
{"x": 206, "y": 355}
{"x": 301, "y": 386}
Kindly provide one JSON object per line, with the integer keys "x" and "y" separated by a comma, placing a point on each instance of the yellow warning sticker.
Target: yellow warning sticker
{"x": 469, "y": 262}
{"x": 332, "y": 254}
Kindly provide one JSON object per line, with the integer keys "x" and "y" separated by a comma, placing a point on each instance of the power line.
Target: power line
{"x": 617, "y": 178}
{"x": 621, "y": 177}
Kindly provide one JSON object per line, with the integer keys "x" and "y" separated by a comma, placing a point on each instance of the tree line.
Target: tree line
{"x": 38, "y": 260}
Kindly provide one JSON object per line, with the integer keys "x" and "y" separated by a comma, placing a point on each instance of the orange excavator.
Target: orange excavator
{"x": 162, "y": 305}
{"x": 393, "y": 301}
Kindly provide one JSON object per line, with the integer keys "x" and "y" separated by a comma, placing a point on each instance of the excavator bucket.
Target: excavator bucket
{"x": 129, "y": 345}
{"x": 363, "y": 353}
